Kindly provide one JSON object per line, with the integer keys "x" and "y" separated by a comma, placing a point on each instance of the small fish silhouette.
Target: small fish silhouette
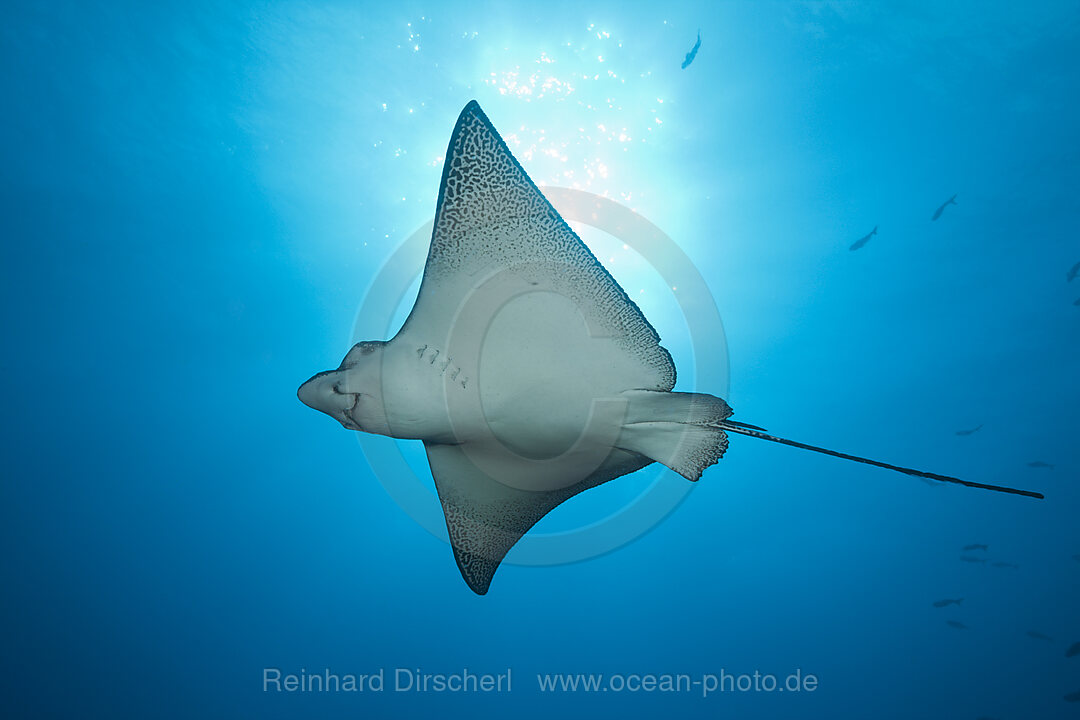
{"x": 1076, "y": 302}
{"x": 1000, "y": 564}
{"x": 1040, "y": 464}
{"x": 947, "y": 601}
{"x": 956, "y": 624}
{"x": 977, "y": 546}
{"x": 972, "y": 431}
{"x": 864, "y": 239}
{"x": 693, "y": 52}
{"x": 1073, "y": 650}
{"x": 1038, "y": 635}
{"x": 1073, "y": 697}
{"x": 937, "y": 213}
{"x": 1073, "y": 272}
{"x": 1076, "y": 558}
{"x": 972, "y": 559}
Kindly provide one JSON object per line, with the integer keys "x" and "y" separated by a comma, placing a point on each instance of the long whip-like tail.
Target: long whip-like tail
{"x": 753, "y": 431}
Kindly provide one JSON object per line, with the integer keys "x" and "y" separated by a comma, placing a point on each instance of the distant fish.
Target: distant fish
{"x": 1073, "y": 650}
{"x": 977, "y": 546}
{"x": 947, "y": 602}
{"x": 1076, "y": 558}
{"x": 1038, "y": 635}
{"x": 972, "y": 559}
{"x": 937, "y": 213}
{"x": 956, "y": 624}
{"x": 972, "y": 431}
{"x": 1000, "y": 564}
{"x": 1076, "y": 302}
{"x": 693, "y": 52}
{"x": 864, "y": 239}
{"x": 1040, "y": 464}
{"x": 1073, "y": 697}
{"x": 1073, "y": 272}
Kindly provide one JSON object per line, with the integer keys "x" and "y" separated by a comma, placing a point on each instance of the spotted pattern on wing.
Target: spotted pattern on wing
{"x": 484, "y": 519}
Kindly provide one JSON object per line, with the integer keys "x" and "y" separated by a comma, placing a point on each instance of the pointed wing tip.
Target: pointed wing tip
{"x": 476, "y": 573}
{"x": 471, "y": 111}
{"x": 480, "y": 590}
{"x": 472, "y": 108}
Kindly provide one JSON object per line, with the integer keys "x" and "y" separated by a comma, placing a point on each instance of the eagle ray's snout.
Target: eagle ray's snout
{"x": 323, "y": 393}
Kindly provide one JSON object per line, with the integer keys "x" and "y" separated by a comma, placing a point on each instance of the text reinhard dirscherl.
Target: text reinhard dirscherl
{"x": 466, "y": 681}
{"x": 400, "y": 680}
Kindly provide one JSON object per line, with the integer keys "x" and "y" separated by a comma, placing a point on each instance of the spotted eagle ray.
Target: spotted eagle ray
{"x": 525, "y": 369}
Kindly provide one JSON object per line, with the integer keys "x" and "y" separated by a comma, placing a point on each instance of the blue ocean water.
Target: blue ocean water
{"x": 198, "y": 197}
